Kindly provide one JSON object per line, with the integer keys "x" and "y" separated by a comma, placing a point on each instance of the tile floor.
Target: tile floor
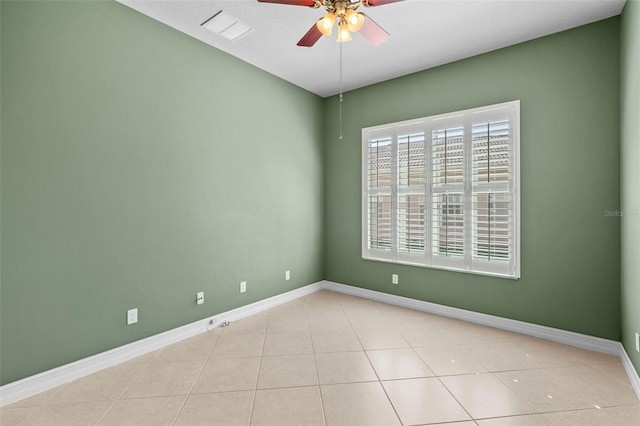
{"x": 333, "y": 359}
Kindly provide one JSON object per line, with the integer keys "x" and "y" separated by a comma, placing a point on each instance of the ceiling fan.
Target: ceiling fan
{"x": 344, "y": 12}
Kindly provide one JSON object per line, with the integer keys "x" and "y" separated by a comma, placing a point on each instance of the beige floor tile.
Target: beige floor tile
{"x": 287, "y": 344}
{"x": 217, "y": 409}
{"x": 80, "y": 413}
{"x": 611, "y": 416}
{"x": 469, "y": 423}
{"x": 483, "y": 396}
{"x": 335, "y": 342}
{"x": 450, "y": 360}
{"x": 613, "y": 369}
{"x": 392, "y": 364}
{"x": 313, "y": 340}
{"x": 367, "y": 320}
{"x": 165, "y": 378}
{"x": 15, "y": 416}
{"x": 228, "y": 374}
{"x": 286, "y": 325}
{"x": 238, "y": 345}
{"x": 344, "y": 367}
{"x": 146, "y": 358}
{"x": 422, "y": 401}
{"x": 288, "y": 406}
{"x": 328, "y": 320}
{"x": 292, "y": 308}
{"x": 144, "y": 411}
{"x": 523, "y": 355}
{"x": 287, "y": 371}
{"x": 423, "y": 336}
{"x": 485, "y": 334}
{"x": 108, "y": 384}
{"x": 382, "y": 338}
{"x": 198, "y": 347}
{"x": 289, "y": 320}
{"x": 570, "y": 388}
{"x": 525, "y": 420}
{"x": 36, "y": 400}
{"x": 357, "y": 305}
{"x": 356, "y": 404}
{"x": 251, "y": 325}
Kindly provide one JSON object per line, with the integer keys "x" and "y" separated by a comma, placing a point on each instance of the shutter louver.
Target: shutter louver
{"x": 448, "y": 225}
{"x": 447, "y": 162}
{"x": 491, "y": 226}
{"x": 380, "y": 222}
{"x": 492, "y": 204}
{"x": 491, "y": 152}
{"x": 379, "y": 168}
{"x": 411, "y": 200}
{"x": 379, "y": 177}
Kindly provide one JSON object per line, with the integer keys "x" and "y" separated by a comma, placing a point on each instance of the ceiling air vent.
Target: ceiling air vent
{"x": 227, "y": 26}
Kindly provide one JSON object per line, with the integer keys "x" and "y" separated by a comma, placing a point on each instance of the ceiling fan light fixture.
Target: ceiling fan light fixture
{"x": 355, "y": 20}
{"x": 325, "y": 25}
{"x": 343, "y": 31}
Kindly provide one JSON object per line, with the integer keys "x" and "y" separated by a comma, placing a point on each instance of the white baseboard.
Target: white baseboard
{"x": 32, "y": 385}
{"x": 631, "y": 371}
{"x": 46, "y": 380}
{"x": 583, "y": 341}
{"x": 591, "y": 343}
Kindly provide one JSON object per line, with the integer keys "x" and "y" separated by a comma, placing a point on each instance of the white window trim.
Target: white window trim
{"x": 467, "y": 263}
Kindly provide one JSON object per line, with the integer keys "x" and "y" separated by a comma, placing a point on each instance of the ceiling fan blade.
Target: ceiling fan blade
{"x": 311, "y": 37}
{"x": 373, "y": 32}
{"x": 291, "y": 2}
{"x": 377, "y": 2}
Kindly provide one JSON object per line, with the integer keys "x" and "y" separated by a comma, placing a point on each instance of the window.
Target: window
{"x": 443, "y": 191}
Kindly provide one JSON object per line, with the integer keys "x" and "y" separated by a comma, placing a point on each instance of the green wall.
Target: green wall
{"x": 568, "y": 85}
{"x": 140, "y": 166}
{"x": 630, "y": 177}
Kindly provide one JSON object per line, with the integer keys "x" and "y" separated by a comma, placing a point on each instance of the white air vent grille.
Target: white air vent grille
{"x": 227, "y": 26}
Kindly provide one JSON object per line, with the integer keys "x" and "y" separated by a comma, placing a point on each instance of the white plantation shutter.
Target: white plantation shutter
{"x": 494, "y": 206}
{"x": 379, "y": 181}
{"x": 442, "y": 191}
{"x": 411, "y": 196}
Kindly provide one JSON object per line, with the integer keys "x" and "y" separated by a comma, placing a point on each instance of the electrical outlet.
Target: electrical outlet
{"x": 132, "y": 316}
{"x": 287, "y": 275}
{"x": 637, "y": 342}
{"x": 200, "y": 298}
{"x": 243, "y": 286}
{"x": 394, "y": 278}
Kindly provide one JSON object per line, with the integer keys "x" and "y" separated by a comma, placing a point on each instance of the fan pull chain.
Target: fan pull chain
{"x": 340, "y": 108}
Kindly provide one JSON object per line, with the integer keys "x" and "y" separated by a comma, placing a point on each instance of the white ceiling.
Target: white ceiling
{"x": 424, "y": 34}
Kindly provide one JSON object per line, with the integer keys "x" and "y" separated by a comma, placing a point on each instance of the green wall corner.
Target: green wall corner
{"x": 630, "y": 177}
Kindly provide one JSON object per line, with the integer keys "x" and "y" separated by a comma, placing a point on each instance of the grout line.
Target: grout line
{"x": 255, "y": 390}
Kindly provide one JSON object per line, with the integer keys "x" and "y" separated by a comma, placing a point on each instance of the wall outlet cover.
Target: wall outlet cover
{"x": 243, "y": 286}
{"x": 287, "y": 275}
{"x": 200, "y": 297}
{"x": 394, "y": 278}
{"x": 132, "y": 316}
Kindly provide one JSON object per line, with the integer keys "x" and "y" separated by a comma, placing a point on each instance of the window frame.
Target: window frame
{"x": 471, "y": 260}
